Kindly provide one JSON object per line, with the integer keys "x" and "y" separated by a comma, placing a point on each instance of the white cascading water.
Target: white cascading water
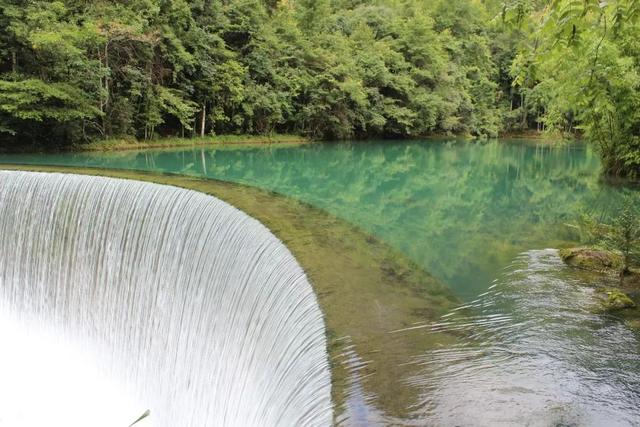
{"x": 118, "y": 297}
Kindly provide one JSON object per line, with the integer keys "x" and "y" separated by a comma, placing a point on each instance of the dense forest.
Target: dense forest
{"x": 80, "y": 70}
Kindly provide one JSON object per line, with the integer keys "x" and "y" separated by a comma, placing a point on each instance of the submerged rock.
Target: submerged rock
{"x": 618, "y": 294}
{"x": 591, "y": 259}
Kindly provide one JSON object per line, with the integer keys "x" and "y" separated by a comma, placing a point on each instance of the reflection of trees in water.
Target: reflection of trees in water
{"x": 461, "y": 210}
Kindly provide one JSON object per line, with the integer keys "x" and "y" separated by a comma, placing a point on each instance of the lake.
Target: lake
{"x": 460, "y": 210}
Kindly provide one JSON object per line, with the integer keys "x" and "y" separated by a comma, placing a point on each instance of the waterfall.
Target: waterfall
{"x": 118, "y": 297}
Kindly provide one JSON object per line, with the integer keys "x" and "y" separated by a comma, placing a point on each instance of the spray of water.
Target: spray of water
{"x": 120, "y": 298}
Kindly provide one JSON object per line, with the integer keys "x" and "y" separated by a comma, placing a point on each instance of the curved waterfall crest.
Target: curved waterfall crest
{"x": 199, "y": 313}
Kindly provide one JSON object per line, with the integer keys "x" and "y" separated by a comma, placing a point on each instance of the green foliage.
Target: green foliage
{"x": 624, "y": 233}
{"x": 35, "y": 100}
{"x": 583, "y": 57}
{"x": 621, "y": 233}
{"x": 341, "y": 69}
{"x": 77, "y": 70}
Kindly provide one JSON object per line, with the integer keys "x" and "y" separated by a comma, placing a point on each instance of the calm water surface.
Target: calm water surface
{"x": 480, "y": 217}
{"x": 460, "y": 210}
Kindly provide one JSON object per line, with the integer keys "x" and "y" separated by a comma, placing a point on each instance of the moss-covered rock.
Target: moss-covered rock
{"x": 617, "y": 300}
{"x": 591, "y": 259}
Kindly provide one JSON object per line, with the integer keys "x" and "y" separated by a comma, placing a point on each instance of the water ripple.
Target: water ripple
{"x": 532, "y": 352}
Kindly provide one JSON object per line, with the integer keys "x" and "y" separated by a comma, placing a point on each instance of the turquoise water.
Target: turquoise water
{"x": 460, "y": 210}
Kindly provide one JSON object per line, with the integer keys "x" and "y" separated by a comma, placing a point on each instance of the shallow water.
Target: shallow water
{"x": 535, "y": 353}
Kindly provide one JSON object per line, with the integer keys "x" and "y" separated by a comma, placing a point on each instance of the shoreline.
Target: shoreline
{"x": 130, "y": 144}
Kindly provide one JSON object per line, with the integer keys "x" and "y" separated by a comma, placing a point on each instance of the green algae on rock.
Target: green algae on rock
{"x": 620, "y": 295}
{"x": 617, "y": 300}
{"x": 591, "y": 259}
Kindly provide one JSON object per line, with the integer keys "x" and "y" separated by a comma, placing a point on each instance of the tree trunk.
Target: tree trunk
{"x": 106, "y": 77}
{"x": 203, "y": 120}
{"x": 14, "y": 62}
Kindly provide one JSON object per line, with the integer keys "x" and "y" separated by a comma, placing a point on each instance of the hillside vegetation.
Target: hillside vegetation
{"x": 73, "y": 71}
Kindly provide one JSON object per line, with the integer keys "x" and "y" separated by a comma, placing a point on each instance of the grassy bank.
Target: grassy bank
{"x": 133, "y": 144}
{"x": 537, "y": 135}
{"x": 130, "y": 143}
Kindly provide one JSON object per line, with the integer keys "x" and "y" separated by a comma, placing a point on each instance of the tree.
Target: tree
{"x": 74, "y": 70}
{"x": 621, "y": 233}
{"x": 624, "y": 234}
{"x": 585, "y": 59}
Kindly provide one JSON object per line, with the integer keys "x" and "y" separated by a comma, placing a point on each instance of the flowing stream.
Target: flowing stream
{"x": 118, "y": 297}
{"x": 536, "y": 352}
